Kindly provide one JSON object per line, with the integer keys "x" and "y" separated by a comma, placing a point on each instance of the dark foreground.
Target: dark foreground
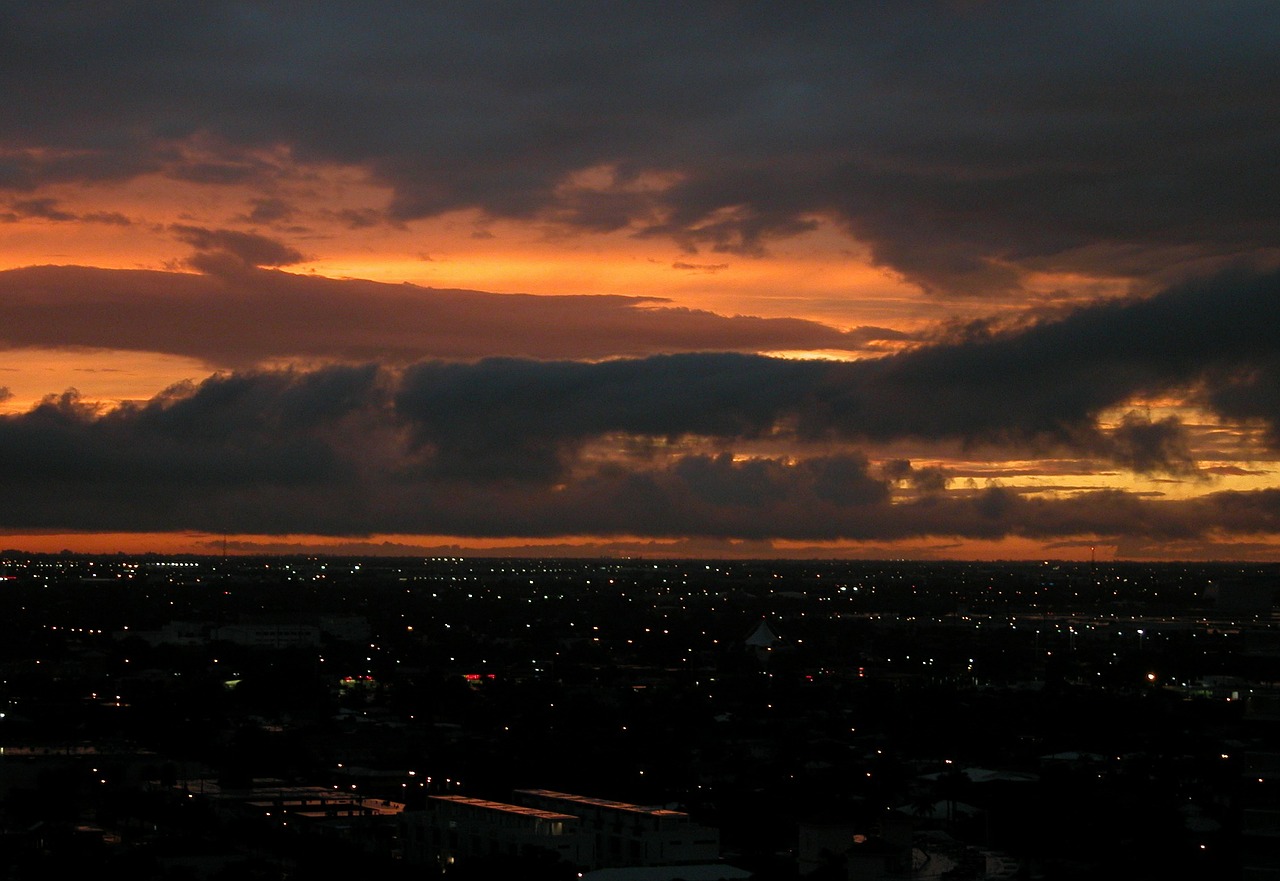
{"x": 1117, "y": 721}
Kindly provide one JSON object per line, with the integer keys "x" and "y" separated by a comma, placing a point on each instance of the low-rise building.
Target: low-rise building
{"x": 632, "y": 835}
{"x": 455, "y": 827}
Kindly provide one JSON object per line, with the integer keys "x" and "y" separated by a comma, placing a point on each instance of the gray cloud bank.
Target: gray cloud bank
{"x": 504, "y": 446}
{"x": 237, "y": 314}
{"x": 1028, "y": 390}
{"x": 964, "y": 142}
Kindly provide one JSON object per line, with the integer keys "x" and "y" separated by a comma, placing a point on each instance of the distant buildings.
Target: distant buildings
{"x": 1259, "y": 792}
{"x": 275, "y": 635}
{"x": 590, "y": 833}
{"x": 1148, "y": 713}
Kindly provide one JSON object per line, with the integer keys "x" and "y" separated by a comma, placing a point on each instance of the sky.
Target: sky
{"x": 936, "y": 280}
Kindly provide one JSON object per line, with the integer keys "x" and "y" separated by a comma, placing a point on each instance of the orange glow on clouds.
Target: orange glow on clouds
{"x": 210, "y": 544}
{"x": 820, "y": 274}
{"x": 105, "y": 377}
{"x": 328, "y": 214}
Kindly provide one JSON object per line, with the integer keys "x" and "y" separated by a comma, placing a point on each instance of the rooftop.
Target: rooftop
{"x": 503, "y": 807}
{"x": 602, "y": 803}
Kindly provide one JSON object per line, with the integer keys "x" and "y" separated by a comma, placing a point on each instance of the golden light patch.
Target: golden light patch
{"x": 100, "y": 377}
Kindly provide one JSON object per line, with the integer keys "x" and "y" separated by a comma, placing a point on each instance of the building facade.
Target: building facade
{"x": 455, "y": 827}
{"x": 632, "y": 835}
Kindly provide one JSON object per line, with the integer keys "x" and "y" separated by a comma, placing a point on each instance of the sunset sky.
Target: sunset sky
{"x": 935, "y": 280}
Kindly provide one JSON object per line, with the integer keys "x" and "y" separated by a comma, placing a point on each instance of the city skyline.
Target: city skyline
{"x": 958, "y": 280}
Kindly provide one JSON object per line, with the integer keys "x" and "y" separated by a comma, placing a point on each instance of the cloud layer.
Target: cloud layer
{"x": 990, "y": 154}
{"x": 318, "y": 453}
{"x": 965, "y": 143}
{"x": 238, "y": 315}
{"x": 502, "y": 447}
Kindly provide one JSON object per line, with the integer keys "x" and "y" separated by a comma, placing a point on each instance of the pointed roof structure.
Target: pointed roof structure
{"x": 762, "y": 637}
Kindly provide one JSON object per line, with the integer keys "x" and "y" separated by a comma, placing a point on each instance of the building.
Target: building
{"x": 317, "y": 812}
{"x": 454, "y": 827}
{"x": 632, "y": 835}
{"x": 270, "y": 635}
{"x": 1259, "y": 793}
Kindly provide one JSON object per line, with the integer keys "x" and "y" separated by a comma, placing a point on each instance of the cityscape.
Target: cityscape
{"x": 698, "y": 441}
{"x": 279, "y": 717}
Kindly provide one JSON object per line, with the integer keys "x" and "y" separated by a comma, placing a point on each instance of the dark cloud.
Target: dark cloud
{"x": 528, "y": 418}
{"x": 1147, "y": 446}
{"x": 1039, "y": 389}
{"x": 47, "y": 209}
{"x": 1215, "y": 549}
{"x": 324, "y": 452}
{"x": 237, "y": 316}
{"x": 361, "y": 450}
{"x": 931, "y": 478}
{"x": 896, "y": 469}
{"x": 539, "y": 448}
{"x": 246, "y": 250}
{"x": 964, "y": 143}
{"x": 270, "y": 210}
{"x": 363, "y": 218}
{"x": 289, "y": 435}
{"x": 843, "y": 480}
{"x": 214, "y": 172}
{"x": 709, "y": 268}
{"x": 111, "y": 218}
{"x": 1052, "y": 379}
{"x": 1233, "y": 471}
{"x": 927, "y": 479}
{"x": 1249, "y": 392}
{"x": 1034, "y": 390}
{"x": 721, "y": 482}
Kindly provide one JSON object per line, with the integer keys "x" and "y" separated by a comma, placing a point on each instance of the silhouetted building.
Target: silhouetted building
{"x": 454, "y": 827}
{"x": 633, "y": 835}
